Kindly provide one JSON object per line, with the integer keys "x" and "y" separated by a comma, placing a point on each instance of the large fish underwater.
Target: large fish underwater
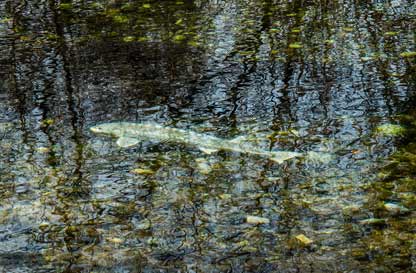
{"x": 130, "y": 134}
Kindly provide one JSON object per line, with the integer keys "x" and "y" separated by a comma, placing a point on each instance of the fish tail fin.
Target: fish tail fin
{"x": 280, "y": 157}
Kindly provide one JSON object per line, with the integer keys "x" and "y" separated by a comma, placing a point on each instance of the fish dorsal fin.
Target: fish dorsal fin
{"x": 208, "y": 150}
{"x": 240, "y": 139}
{"x": 125, "y": 142}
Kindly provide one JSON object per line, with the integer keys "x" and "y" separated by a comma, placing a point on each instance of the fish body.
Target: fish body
{"x": 130, "y": 134}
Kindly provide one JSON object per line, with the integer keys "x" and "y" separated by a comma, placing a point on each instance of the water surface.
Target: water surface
{"x": 317, "y": 77}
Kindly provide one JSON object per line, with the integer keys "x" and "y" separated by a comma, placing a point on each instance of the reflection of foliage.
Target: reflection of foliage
{"x": 275, "y": 41}
{"x": 399, "y": 177}
{"x": 136, "y": 21}
{"x": 299, "y": 29}
{"x": 392, "y": 244}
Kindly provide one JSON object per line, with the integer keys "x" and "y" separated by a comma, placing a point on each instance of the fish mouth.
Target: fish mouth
{"x": 99, "y": 130}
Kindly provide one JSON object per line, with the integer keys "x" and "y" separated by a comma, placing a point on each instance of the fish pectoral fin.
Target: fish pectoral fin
{"x": 125, "y": 142}
{"x": 208, "y": 150}
{"x": 281, "y": 157}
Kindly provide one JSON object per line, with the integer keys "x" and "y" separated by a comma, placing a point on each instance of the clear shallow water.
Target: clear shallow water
{"x": 299, "y": 76}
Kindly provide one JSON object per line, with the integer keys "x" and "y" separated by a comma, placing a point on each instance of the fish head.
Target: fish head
{"x": 113, "y": 129}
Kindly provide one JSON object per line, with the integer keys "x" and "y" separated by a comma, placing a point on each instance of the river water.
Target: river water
{"x": 333, "y": 80}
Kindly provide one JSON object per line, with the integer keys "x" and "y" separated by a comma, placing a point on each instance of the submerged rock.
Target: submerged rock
{"x": 5, "y": 126}
{"x": 373, "y": 221}
{"x": 303, "y": 240}
{"x": 351, "y": 210}
{"x": 43, "y": 149}
{"x": 142, "y": 171}
{"x": 257, "y": 220}
{"x": 395, "y": 209}
{"x": 115, "y": 240}
{"x": 203, "y": 165}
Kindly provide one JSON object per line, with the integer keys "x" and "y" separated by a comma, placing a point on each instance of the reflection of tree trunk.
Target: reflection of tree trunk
{"x": 73, "y": 106}
{"x": 244, "y": 77}
{"x": 73, "y": 186}
{"x": 19, "y": 94}
{"x": 234, "y": 94}
{"x": 283, "y": 115}
{"x": 288, "y": 73}
{"x": 22, "y": 77}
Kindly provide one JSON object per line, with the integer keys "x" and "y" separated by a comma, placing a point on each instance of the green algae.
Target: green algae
{"x": 390, "y": 130}
{"x": 408, "y": 54}
{"x": 392, "y": 197}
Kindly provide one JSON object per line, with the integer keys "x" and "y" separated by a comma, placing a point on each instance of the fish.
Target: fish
{"x": 129, "y": 134}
